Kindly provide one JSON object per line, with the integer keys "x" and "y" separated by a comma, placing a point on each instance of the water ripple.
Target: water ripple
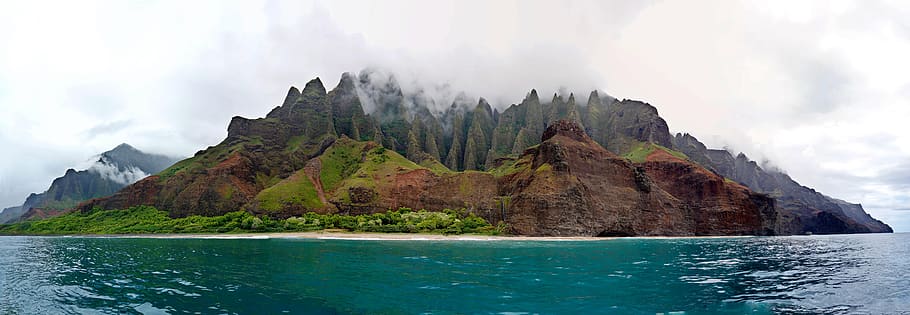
{"x": 762, "y": 275}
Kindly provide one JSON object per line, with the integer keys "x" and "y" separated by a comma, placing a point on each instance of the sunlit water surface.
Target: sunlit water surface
{"x": 805, "y": 274}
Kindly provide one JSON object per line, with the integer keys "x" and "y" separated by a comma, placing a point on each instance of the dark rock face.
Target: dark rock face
{"x": 803, "y": 209}
{"x": 518, "y": 127}
{"x": 478, "y": 137}
{"x": 455, "y": 156}
{"x": 112, "y": 171}
{"x": 631, "y": 121}
{"x": 347, "y": 111}
{"x": 721, "y": 203}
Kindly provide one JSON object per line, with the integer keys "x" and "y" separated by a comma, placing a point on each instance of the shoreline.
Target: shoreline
{"x": 365, "y": 236}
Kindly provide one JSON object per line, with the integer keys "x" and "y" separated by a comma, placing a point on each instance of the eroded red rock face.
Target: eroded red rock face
{"x": 721, "y": 207}
{"x": 228, "y": 185}
{"x": 573, "y": 186}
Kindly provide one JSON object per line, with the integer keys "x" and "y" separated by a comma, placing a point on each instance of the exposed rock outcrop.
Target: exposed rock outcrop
{"x": 570, "y": 185}
{"x": 628, "y": 122}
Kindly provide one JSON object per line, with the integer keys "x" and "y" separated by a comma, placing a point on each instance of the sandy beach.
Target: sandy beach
{"x": 341, "y": 235}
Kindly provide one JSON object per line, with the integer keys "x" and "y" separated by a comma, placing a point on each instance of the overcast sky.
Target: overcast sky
{"x": 820, "y": 89}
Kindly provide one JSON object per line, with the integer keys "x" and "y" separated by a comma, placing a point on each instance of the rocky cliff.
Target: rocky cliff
{"x": 262, "y": 164}
{"x": 570, "y": 185}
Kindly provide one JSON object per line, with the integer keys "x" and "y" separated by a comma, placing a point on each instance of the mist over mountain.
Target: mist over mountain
{"x": 111, "y": 171}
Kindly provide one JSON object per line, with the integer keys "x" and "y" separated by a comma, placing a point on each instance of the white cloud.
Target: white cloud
{"x": 113, "y": 172}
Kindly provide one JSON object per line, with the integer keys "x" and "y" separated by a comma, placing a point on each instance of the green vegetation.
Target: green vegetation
{"x": 295, "y": 190}
{"x": 639, "y": 153}
{"x": 507, "y": 167}
{"x": 340, "y": 161}
{"x": 545, "y": 167}
{"x": 353, "y": 163}
{"x": 348, "y": 163}
{"x": 512, "y": 166}
{"x": 504, "y": 202}
{"x": 148, "y": 220}
{"x": 177, "y": 168}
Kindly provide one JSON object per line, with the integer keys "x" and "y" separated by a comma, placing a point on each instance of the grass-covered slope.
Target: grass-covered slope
{"x": 641, "y": 150}
{"x": 295, "y": 190}
{"x": 345, "y": 164}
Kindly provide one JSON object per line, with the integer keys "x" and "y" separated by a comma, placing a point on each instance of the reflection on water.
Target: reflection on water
{"x": 818, "y": 274}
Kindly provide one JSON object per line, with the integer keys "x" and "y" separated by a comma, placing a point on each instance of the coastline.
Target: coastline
{"x": 364, "y": 236}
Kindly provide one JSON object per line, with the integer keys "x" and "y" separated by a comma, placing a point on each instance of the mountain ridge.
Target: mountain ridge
{"x": 112, "y": 170}
{"x": 258, "y": 153}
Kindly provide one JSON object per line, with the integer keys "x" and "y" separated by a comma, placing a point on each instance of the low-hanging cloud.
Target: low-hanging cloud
{"x": 123, "y": 175}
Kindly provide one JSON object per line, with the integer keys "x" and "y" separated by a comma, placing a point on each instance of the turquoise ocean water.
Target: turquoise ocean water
{"x": 866, "y": 274}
